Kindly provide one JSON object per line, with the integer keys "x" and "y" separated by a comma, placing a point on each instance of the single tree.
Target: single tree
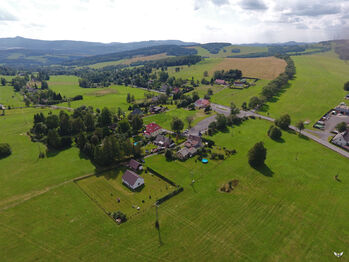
{"x": 3, "y": 81}
{"x": 233, "y": 109}
{"x": 177, "y": 125}
{"x": 190, "y": 120}
{"x": 168, "y": 154}
{"x": 341, "y": 127}
{"x": 274, "y": 132}
{"x": 346, "y": 86}
{"x": 257, "y": 155}
{"x": 283, "y": 122}
{"x": 5, "y": 150}
{"x": 221, "y": 121}
{"x": 300, "y": 126}
{"x": 137, "y": 123}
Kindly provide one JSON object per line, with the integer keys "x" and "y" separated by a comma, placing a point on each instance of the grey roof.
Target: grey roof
{"x": 130, "y": 177}
{"x": 134, "y": 164}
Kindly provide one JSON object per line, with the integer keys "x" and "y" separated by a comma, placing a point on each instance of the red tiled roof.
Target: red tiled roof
{"x": 202, "y": 102}
{"x": 151, "y": 128}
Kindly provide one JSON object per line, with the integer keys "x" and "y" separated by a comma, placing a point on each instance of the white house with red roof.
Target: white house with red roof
{"x": 152, "y": 130}
{"x": 202, "y": 103}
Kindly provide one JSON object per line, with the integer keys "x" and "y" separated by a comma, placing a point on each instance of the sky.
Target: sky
{"x": 203, "y": 21}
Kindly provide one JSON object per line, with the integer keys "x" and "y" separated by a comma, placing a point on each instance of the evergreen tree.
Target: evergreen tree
{"x": 257, "y": 155}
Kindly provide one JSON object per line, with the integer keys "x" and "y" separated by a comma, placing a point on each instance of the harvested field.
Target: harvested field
{"x": 263, "y": 67}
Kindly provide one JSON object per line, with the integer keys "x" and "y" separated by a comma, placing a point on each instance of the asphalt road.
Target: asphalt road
{"x": 202, "y": 126}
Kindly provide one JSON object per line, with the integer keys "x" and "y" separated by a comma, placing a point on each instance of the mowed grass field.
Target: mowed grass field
{"x": 8, "y": 97}
{"x": 317, "y": 88}
{"x": 107, "y": 187}
{"x": 23, "y": 174}
{"x": 112, "y": 97}
{"x": 238, "y": 96}
{"x": 263, "y": 67}
{"x": 130, "y": 60}
{"x": 165, "y": 119}
{"x": 292, "y": 210}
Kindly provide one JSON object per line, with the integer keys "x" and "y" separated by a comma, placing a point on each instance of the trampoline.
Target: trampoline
{"x": 204, "y": 160}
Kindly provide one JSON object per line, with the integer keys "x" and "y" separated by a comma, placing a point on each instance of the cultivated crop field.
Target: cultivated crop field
{"x": 317, "y": 87}
{"x": 264, "y": 67}
{"x": 290, "y": 210}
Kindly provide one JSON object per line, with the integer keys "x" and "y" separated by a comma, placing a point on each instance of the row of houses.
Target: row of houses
{"x": 191, "y": 146}
{"x": 240, "y": 83}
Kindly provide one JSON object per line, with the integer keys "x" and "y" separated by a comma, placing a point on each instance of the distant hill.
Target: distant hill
{"x": 170, "y": 50}
{"x": 24, "y": 51}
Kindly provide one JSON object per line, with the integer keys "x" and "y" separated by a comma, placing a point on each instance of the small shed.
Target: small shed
{"x": 135, "y": 165}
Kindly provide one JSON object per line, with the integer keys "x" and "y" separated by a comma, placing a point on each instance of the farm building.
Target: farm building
{"x": 186, "y": 153}
{"x": 193, "y": 141}
{"x": 202, "y": 103}
{"x": 152, "y": 130}
{"x": 156, "y": 109}
{"x": 341, "y": 139}
{"x": 239, "y": 84}
{"x": 343, "y": 109}
{"x": 220, "y": 82}
{"x": 163, "y": 141}
{"x": 135, "y": 165}
{"x": 132, "y": 180}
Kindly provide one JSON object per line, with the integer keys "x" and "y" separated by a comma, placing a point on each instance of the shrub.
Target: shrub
{"x": 341, "y": 127}
{"x": 346, "y": 86}
{"x": 5, "y": 150}
{"x": 257, "y": 155}
{"x": 119, "y": 215}
{"x": 274, "y": 132}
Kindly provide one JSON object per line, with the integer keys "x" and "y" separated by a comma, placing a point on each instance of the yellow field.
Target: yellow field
{"x": 263, "y": 67}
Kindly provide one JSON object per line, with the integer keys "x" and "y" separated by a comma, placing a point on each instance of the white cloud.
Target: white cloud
{"x": 189, "y": 20}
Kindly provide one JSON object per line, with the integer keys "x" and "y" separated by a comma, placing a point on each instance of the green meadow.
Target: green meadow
{"x": 227, "y": 51}
{"x": 290, "y": 210}
{"x": 8, "y": 97}
{"x": 112, "y": 97}
{"x": 317, "y": 88}
{"x": 238, "y": 96}
{"x": 165, "y": 119}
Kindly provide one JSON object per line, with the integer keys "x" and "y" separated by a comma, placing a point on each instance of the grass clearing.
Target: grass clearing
{"x": 293, "y": 210}
{"x": 238, "y": 96}
{"x": 317, "y": 87}
{"x": 165, "y": 119}
{"x": 8, "y": 97}
{"x": 106, "y": 188}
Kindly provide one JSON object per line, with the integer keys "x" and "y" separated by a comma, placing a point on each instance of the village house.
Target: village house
{"x": 132, "y": 180}
{"x": 341, "y": 139}
{"x": 343, "y": 109}
{"x": 202, "y": 103}
{"x": 239, "y": 84}
{"x": 220, "y": 82}
{"x": 193, "y": 141}
{"x": 152, "y": 130}
{"x": 156, "y": 109}
{"x": 135, "y": 165}
{"x": 163, "y": 141}
{"x": 164, "y": 88}
{"x": 137, "y": 111}
{"x": 186, "y": 153}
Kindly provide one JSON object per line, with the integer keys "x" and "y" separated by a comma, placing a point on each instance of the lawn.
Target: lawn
{"x": 317, "y": 87}
{"x": 238, "y": 96}
{"x": 8, "y": 97}
{"x": 165, "y": 119}
{"x": 23, "y": 173}
{"x": 106, "y": 188}
{"x": 112, "y": 97}
{"x": 292, "y": 210}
